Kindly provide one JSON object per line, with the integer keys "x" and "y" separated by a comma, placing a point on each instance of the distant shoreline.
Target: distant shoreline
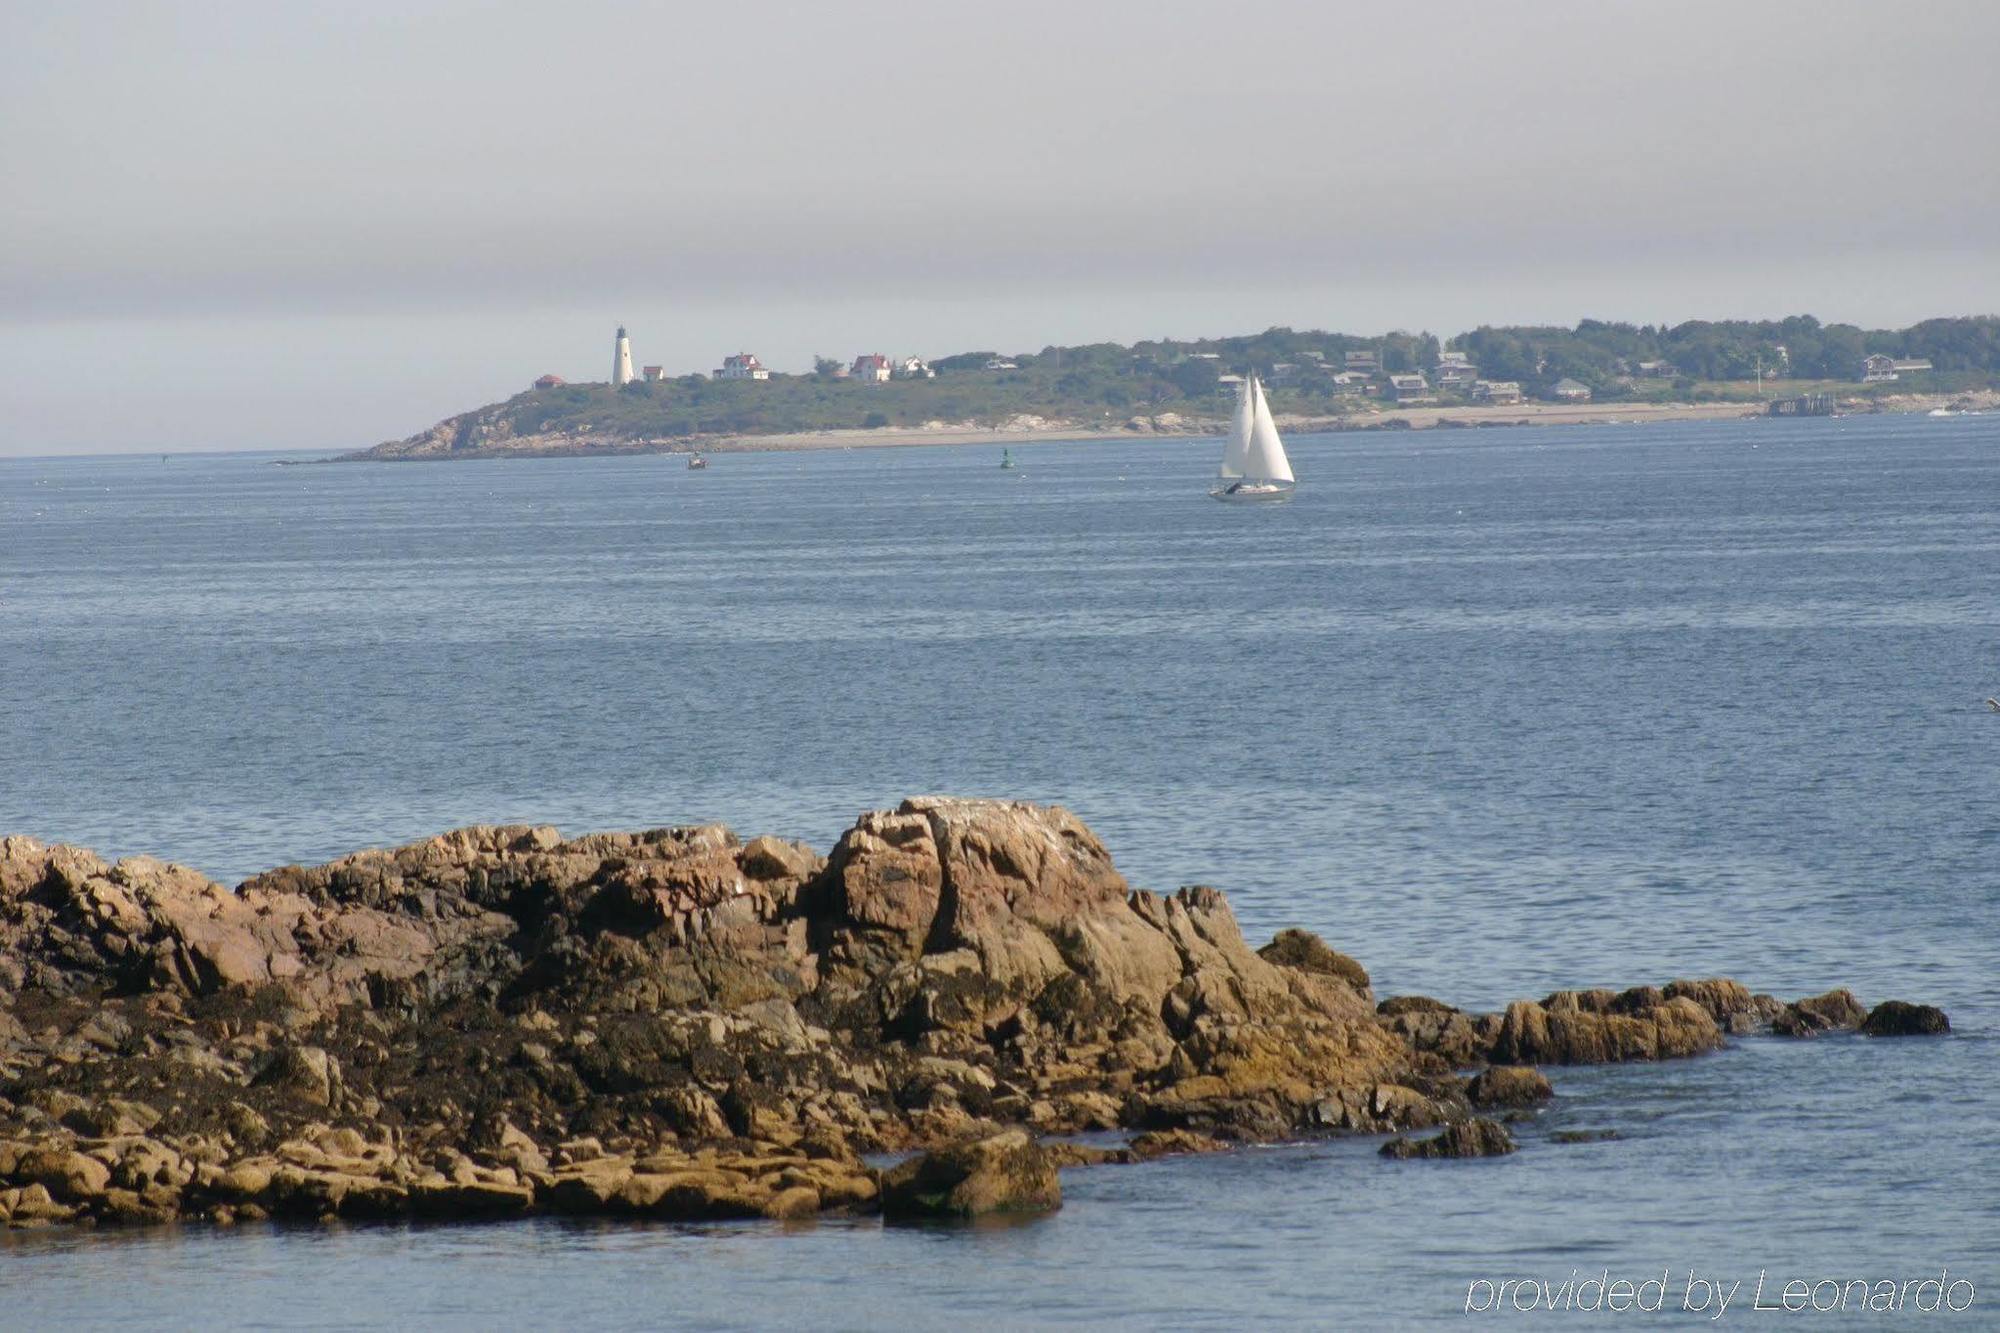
{"x": 889, "y": 437}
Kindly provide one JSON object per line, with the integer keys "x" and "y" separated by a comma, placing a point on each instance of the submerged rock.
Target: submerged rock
{"x": 1469, "y": 1138}
{"x": 1895, "y": 1018}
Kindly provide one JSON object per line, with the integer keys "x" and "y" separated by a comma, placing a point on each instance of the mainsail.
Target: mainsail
{"x": 1265, "y": 459}
{"x": 1236, "y": 453}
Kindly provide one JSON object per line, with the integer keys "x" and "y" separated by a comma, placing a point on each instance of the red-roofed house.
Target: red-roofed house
{"x": 873, "y": 368}
{"x": 550, "y": 382}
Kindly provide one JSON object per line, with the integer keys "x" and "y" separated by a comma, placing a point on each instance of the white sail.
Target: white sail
{"x": 1237, "y": 452}
{"x": 1266, "y": 459}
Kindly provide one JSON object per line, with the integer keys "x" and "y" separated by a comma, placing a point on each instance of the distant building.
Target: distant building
{"x": 1411, "y": 389}
{"x": 1457, "y": 375}
{"x": 1348, "y": 379}
{"x": 1496, "y": 391}
{"x": 652, "y": 374}
{"x": 550, "y": 382}
{"x": 1658, "y": 370}
{"x": 1570, "y": 391}
{"x": 1453, "y": 359}
{"x": 1880, "y": 367}
{"x": 1366, "y": 361}
{"x": 1283, "y": 373}
{"x": 1001, "y": 363}
{"x": 742, "y": 366}
{"x": 1227, "y": 383}
{"x": 873, "y": 368}
{"x": 914, "y": 368}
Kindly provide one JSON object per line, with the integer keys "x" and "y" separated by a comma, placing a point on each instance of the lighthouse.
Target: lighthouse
{"x": 621, "y": 360}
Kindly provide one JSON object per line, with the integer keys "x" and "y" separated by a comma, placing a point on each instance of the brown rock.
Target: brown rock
{"x": 66, "y": 1174}
{"x": 1837, "y": 1010}
{"x": 1001, "y": 1173}
{"x": 1508, "y": 1085}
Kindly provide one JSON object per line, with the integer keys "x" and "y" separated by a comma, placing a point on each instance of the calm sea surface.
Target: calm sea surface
{"x": 1496, "y": 712}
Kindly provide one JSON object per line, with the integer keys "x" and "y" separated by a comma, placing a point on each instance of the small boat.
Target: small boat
{"x": 1254, "y": 466}
{"x": 1006, "y": 461}
{"x": 696, "y": 462}
{"x": 1942, "y": 412}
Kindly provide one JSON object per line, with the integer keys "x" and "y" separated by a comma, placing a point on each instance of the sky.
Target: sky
{"x": 238, "y": 225}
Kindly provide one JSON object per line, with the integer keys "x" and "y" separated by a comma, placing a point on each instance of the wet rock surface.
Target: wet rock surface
{"x": 679, "y": 1024}
{"x": 1895, "y": 1018}
{"x": 1468, "y": 1138}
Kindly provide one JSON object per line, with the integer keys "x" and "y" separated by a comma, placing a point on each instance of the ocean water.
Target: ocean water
{"x": 1494, "y": 711}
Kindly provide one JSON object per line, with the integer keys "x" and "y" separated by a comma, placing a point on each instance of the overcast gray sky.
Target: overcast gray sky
{"x": 249, "y": 224}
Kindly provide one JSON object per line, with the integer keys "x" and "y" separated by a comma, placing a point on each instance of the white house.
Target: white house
{"x": 873, "y": 368}
{"x": 1001, "y": 363}
{"x": 914, "y": 368}
{"x": 1457, "y": 375}
{"x": 742, "y": 366}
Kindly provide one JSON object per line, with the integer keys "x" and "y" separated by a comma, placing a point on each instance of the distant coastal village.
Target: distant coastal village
{"x": 1597, "y": 370}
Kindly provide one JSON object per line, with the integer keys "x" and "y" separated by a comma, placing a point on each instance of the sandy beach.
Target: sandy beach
{"x": 1418, "y": 418}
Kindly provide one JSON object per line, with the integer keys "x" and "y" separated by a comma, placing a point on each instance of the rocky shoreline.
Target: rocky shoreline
{"x": 501, "y": 1022}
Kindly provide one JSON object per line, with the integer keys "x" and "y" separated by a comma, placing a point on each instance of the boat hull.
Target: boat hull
{"x": 1252, "y": 494}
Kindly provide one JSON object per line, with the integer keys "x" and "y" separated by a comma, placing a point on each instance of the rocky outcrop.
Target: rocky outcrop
{"x": 480, "y": 1004}
{"x": 678, "y": 1023}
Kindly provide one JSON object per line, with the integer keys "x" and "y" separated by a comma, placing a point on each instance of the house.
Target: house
{"x": 1367, "y": 361}
{"x": 742, "y": 366}
{"x": 652, "y": 374}
{"x": 1228, "y": 383}
{"x": 1411, "y": 389}
{"x": 1658, "y": 370}
{"x": 1567, "y": 390}
{"x": 1453, "y": 359}
{"x": 873, "y": 368}
{"x": 1458, "y": 376}
{"x": 1348, "y": 379}
{"x": 998, "y": 363}
{"x": 1496, "y": 391}
{"x": 550, "y": 382}
{"x": 1880, "y": 367}
{"x": 914, "y": 368}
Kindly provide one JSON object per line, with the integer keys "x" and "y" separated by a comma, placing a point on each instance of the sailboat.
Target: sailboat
{"x": 1254, "y": 466}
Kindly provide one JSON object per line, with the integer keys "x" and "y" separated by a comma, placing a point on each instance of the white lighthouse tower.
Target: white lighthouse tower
{"x": 621, "y": 360}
